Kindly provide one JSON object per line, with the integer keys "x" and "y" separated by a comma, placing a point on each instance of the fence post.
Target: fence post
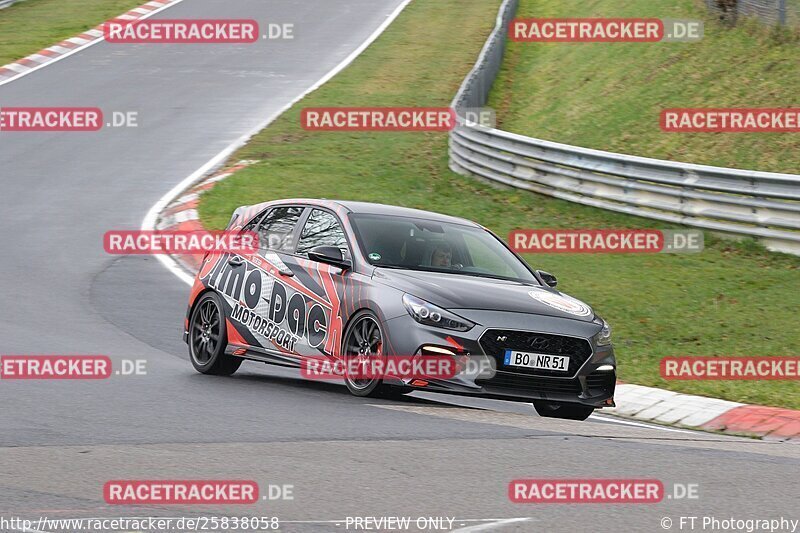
{"x": 782, "y": 12}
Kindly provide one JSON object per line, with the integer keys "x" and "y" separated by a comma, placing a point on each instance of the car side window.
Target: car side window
{"x": 253, "y": 224}
{"x": 276, "y": 230}
{"x": 322, "y": 229}
{"x": 485, "y": 259}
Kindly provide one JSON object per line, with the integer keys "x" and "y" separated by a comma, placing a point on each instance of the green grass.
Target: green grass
{"x": 29, "y": 26}
{"x": 609, "y": 96}
{"x": 733, "y": 299}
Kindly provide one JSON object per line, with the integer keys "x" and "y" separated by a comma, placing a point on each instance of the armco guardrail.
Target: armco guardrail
{"x": 474, "y": 91}
{"x": 763, "y": 205}
{"x": 6, "y": 3}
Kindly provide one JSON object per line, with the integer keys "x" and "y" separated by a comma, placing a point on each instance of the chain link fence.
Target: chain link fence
{"x": 772, "y": 12}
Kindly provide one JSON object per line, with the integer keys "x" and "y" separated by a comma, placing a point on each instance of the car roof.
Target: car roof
{"x": 368, "y": 208}
{"x": 365, "y": 208}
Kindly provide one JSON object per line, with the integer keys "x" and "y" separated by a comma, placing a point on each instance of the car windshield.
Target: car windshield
{"x": 419, "y": 244}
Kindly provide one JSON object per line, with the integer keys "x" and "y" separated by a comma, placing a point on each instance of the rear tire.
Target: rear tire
{"x": 208, "y": 338}
{"x": 566, "y": 411}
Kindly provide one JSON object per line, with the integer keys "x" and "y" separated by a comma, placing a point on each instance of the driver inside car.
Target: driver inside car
{"x": 442, "y": 255}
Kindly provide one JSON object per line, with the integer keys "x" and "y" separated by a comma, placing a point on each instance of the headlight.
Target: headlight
{"x": 432, "y": 315}
{"x": 604, "y": 337}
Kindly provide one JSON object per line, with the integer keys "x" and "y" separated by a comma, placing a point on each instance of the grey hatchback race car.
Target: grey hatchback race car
{"x": 340, "y": 279}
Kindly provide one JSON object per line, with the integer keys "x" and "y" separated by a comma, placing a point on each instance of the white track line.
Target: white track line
{"x": 624, "y": 422}
{"x": 491, "y": 525}
{"x": 83, "y": 47}
{"x": 151, "y": 217}
{"x": 597, "y": 416}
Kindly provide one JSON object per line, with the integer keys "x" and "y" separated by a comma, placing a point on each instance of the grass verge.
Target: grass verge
{"x": 733, "y": 299}
{"x": 609, "y": 96}
{"x": 29, "y": 26}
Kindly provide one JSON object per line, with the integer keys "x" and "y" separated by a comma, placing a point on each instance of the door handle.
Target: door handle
{"x": 287, "y": 273}
{"x": 235, "y": 261}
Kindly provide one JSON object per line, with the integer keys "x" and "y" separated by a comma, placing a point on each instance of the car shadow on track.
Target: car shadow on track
{"x": 290, "y": 379}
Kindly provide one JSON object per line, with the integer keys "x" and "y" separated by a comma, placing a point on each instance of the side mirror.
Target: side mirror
{"x": 330, "y": 255}
{"x": 549, "y": 279}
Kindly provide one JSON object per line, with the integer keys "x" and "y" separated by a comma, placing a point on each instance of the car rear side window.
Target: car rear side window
{"x": 322, "y": 229}
{"x": 253, "y": 224}
{"x": 277, "y": 229}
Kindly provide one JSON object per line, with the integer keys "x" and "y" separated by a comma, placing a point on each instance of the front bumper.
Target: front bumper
{"x": 590, "y": 380}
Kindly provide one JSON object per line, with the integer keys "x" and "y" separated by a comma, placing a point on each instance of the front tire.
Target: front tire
{"x": 363, "y": 340}
{"x": 564, "y": 411}
{"x": 208, "y": 338}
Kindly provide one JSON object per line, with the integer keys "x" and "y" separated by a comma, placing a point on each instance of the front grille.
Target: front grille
{"x": 496, "y": 341}
{"x": 507, "y": 381}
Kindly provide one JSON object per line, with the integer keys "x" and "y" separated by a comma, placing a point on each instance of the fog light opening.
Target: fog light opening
{"x": 436, "y": 350}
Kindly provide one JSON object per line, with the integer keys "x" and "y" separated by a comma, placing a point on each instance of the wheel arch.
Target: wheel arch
{"x": 193, "y": 304}
{"x": 375, "y": 311}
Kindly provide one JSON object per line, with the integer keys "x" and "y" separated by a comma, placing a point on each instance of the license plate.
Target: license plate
{"x": 538, "y": 361}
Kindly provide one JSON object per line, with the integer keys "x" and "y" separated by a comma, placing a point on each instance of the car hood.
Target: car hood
{"x": 456, "y": 291}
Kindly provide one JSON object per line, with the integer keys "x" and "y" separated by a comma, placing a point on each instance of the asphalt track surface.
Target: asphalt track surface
{"x": 427, "y": 455}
